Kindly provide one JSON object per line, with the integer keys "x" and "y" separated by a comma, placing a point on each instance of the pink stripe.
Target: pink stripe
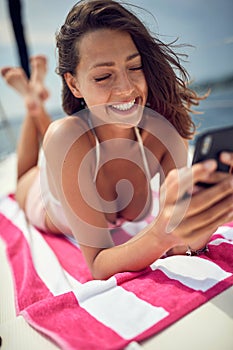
{"x": 71, "y": 326}
{"x": 230, "y": 224}
{"x": 222, "y": 255}
{"x": 28, "y": 286}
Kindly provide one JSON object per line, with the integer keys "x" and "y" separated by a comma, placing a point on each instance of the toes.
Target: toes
{"x": 5, "y": 70}
{"x": 13, "y": 73}
{"x": 38, "y": 58}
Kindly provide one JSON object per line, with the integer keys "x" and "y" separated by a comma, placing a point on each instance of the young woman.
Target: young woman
{"x": 128, "y": 121}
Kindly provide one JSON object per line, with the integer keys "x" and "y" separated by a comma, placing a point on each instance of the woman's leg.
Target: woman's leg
{"x": 33, "y": 129}
{"x": 35, "y": 122}
{"x": 38, "y": 74}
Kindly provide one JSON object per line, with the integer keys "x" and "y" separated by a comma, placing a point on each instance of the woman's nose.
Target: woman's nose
{"x": 123, "y": 85}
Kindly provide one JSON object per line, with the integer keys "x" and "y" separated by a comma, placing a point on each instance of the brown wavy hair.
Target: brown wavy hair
{"x": 168, "y": 93}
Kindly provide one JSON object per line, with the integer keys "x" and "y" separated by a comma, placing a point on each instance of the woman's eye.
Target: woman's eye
{"x": 102, "y": 78}
{"x": 136, "y": 68}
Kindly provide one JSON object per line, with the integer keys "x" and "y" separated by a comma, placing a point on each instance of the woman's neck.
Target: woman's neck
{"x": 114, "y": 131}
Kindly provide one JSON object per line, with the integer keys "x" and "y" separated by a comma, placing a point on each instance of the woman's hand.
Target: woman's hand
{"x": 190, "y": 215}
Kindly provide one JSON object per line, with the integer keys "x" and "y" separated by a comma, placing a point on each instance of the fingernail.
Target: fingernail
{"x": 225, "y": 156}
{"x": 209, "y": 164}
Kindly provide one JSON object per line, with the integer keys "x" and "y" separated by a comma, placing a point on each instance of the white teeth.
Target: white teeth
{"x": 124, "y": 106}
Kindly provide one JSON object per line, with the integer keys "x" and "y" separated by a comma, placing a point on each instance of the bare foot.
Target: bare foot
{"x": 17, "y": 79}
{"x": 38, "y": 73}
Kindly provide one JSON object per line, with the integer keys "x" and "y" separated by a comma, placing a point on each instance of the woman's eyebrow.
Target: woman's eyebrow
{"x": 131, "y": 57}
{"x": 110, "y": 64}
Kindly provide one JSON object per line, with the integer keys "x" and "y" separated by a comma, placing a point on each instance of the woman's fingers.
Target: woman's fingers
{"x": 199, "y": 232}
{"x": 202, "y": 212}
{"x": 192, "y": 212}
{"x": 208, "y": 197}
{"x": 216, "y": 177}
{"x": 181, "y": 181}
{"x": 209, "y": 217}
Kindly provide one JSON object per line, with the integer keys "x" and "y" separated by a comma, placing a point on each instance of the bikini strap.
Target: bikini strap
{"x": 142, "y": 150}
{"x": 97, "y": 148}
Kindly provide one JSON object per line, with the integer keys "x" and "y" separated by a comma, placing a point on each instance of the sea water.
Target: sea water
{"x": 217, "y": 111}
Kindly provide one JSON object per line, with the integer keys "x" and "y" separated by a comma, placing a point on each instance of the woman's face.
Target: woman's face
{"x": 110, "y": 72}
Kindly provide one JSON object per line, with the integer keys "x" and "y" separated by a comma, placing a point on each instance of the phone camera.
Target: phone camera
{"x": 206, "y": 145}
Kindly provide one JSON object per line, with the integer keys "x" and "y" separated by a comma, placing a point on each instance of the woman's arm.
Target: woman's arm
{"x": 181, "y": 222}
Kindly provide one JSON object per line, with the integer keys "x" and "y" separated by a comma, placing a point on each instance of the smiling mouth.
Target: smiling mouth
{"x": 124, "y": 106}
{"x": 128, "y": 113}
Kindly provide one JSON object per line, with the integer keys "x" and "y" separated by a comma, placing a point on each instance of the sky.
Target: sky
{"x": 205, "y": 24}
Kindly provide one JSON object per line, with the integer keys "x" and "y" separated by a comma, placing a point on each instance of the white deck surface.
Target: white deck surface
{"x": 210, "y": 327}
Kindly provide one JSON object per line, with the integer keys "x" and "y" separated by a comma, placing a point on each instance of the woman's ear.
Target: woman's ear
{"x": 72, "y": 84}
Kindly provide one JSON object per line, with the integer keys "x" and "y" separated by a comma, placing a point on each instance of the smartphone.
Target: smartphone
{"x": 210, "y": 144}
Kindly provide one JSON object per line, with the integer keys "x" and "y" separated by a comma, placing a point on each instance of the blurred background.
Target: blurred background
{"x": 206, "y": 25}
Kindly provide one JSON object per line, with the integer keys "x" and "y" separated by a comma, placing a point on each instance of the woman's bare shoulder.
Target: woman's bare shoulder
{"x": 65, "y": 130}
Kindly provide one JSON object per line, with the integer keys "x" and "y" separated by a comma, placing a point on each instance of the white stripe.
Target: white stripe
{"x": 46, "y": 264}
{"x": 222, "y": 229}
{"x": 193, "y": 272}
{"x": 219, "y": 241}
{"x": 119, "y": 309}
{"x": 228, "y": 234}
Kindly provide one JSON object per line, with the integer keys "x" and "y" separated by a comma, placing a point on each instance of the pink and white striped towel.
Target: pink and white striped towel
{"x": 56, "y": 295}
